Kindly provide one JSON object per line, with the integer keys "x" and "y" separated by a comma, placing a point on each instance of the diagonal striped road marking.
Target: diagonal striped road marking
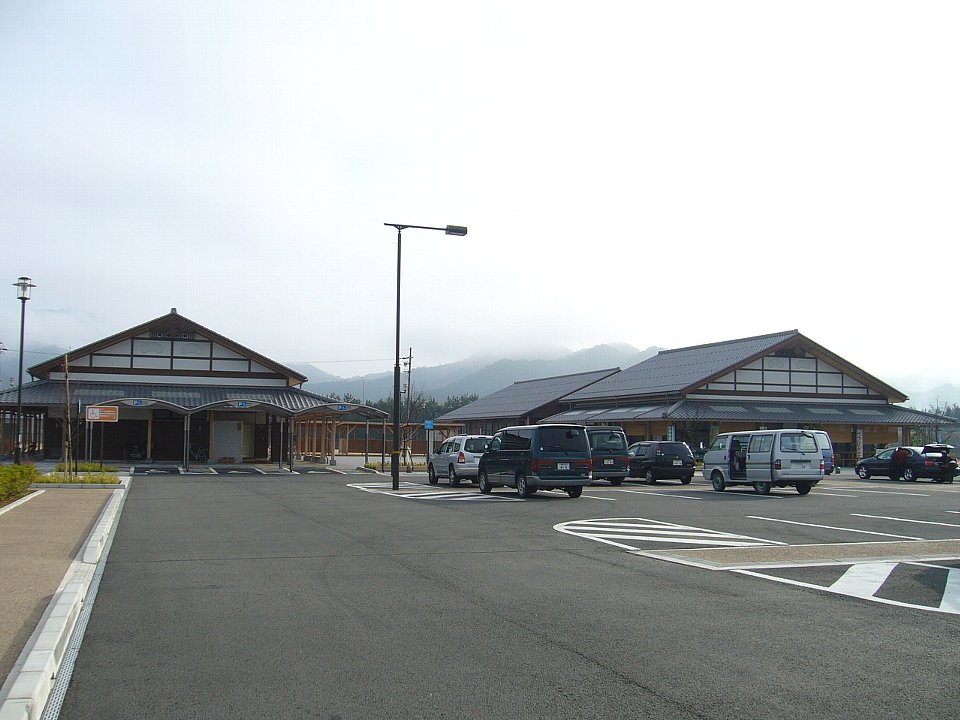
{"x": 865, "y": 580}
{"x": 628, "y": 532}
{"x": 417, "y": 491}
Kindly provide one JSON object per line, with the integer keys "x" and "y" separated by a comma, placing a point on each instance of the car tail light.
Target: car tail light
{"x": 778, "y": 464}
{"x": 535, "y": 466}
{"x": 822, "y": 466}
{"x": 928, "y": 463}
{"x": 461, "y": 458}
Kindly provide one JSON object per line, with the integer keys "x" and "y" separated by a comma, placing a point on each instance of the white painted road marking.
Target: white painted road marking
{"x": 647, "y": 492}
{"x": 921, "y": 522}
{"x": 879, "y": 492}
{"x": 622, "y": 531}
{"x": 417, "y": 491}
{"x": 863, "y": 580}
{"x": 832, "y": 527}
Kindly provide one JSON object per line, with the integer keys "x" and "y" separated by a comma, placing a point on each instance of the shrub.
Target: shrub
{"x": 87, "y": 467}
{"x": 15, "y": 480}
{"x": 88, "y": 479}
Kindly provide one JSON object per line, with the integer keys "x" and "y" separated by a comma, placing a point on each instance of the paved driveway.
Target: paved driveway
{"x": 291, "y": 597}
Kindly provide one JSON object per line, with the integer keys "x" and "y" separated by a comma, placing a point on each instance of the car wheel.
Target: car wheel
{"x": 432, "y": 475}
{"x": 484, "y": 482}
{"x": 523, "y": 487}
{"x": 685, "y": 480}
{"x": 651, "y": 480}
{"x": 616, "y": 481}
{"x": 575, "y": 492}
{"x": 803, "y": 488}
{"x": 452, "y": 474}
{"x": 908, "y": 475}
{"x": 863, "y": 472}
{"x": 761, "y": 488}
{"x": 716, "y": 481}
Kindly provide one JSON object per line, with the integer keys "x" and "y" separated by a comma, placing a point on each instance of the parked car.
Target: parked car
{"x": 765, "y": 459}
{"x": 457, "y": 458}
{"x": 608, "y": 451}
{"x": 932, "y": 461}
{"x": 661, "y": 460}
{"x": 537, "y": 457}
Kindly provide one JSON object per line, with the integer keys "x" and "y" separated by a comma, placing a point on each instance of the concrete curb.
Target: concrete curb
{"x": 27, "y": 689}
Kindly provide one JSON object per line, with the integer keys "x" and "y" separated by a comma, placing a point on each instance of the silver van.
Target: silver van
{"x": 764, "y": 459}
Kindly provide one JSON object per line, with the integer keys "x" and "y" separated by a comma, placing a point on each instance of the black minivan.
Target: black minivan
{"x": 661, "y": 460}
{"x": 537, "y": 457}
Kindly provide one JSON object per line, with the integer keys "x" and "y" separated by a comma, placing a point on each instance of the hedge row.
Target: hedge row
{"x": 15, "y": 480}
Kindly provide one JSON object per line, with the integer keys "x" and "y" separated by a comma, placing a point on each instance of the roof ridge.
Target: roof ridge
{"x": 568, "y": 375}
{"x": 785, "y": 333}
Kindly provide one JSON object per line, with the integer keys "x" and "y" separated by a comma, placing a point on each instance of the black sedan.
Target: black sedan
{"x": 930, "y": 461}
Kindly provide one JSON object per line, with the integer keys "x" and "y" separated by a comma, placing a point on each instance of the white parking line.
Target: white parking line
{"x": 835, "y": 494}
{"x": 881, "y": 492}
{"x": 921, "y": 522}
{"x": 647, "y": 492}
{"x": 831, "y": 527}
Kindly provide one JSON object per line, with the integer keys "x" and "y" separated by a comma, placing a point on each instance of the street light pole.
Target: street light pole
{"x": 460, "y": 231}
{"x": 23, "y": 286}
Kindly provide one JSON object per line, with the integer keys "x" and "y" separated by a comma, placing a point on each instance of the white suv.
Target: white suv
{"x": 457, "y": 458}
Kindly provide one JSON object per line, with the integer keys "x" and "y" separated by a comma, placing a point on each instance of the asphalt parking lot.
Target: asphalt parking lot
{"x": 240, "y": 595}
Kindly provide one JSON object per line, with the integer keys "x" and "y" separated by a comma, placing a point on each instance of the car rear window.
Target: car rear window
{"x": 798, "y": 442}
{"x": 607, "y": 440}
{"x": 476, "y": 445}
{"x": 561, "y": 438}
{"x": 676, "y": 448}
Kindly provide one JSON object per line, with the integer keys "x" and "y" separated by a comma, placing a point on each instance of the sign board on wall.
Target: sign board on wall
{"x": 103, "y": 413}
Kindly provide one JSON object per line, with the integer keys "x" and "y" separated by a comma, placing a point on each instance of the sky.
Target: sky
{"x": 651, "y": 173}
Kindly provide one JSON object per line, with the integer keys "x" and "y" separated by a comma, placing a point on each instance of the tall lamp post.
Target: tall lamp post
{"x": 23, "y": 285}
{"x": 395, "y": 455}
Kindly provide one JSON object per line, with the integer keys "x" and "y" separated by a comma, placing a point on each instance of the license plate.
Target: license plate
{"x": 678, "y": 462}
{"x": 563, "y": 466}
{"x": 801, "y": 463}
{"x": 608, "y": 461}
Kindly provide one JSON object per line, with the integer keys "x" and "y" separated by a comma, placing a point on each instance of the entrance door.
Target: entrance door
{"x": 227, "y": 441}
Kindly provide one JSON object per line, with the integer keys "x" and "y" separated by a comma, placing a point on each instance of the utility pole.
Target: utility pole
{"x": 407, "y": 451}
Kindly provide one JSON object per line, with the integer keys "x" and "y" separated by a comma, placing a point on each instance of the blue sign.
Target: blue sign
{"x": 428, "y": 424}
{"x": 242, "y": 403}
{"x": 341, "y": 408}
{"x": 137, "y": 403}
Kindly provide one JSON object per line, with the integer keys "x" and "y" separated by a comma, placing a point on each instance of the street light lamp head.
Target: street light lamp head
{"x": 456, "y": 230}
{"x": 23, "y": 286}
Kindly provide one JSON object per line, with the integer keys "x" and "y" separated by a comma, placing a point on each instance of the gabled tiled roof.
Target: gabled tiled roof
{"x": 52, "y": 393}
{"x": 675, "y": 372}
{"x": 526, "y": 397}
{"x": 671, "y": 371}
{"x": 173, "y": 318}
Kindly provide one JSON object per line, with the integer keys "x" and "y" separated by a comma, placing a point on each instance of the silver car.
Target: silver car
{"x": 457, "y": 458}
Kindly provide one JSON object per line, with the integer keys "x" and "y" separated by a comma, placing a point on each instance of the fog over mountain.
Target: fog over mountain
{"x": 479, "y": 375}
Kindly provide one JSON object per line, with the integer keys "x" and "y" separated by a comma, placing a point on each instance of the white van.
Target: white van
{"x": 764, "y": 459}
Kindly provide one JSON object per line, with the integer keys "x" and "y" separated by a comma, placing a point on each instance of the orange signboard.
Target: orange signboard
{"x": 103, "y": 413}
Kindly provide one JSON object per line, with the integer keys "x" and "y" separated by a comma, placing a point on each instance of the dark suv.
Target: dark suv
{"x": 661, "y": 460}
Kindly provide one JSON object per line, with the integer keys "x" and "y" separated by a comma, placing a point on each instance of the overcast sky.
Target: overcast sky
{"x": 654, "y": 173}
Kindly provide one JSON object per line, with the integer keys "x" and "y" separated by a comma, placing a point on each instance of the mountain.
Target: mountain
{"x": 928, "y": 399}
{"x": 476, "y": 375}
